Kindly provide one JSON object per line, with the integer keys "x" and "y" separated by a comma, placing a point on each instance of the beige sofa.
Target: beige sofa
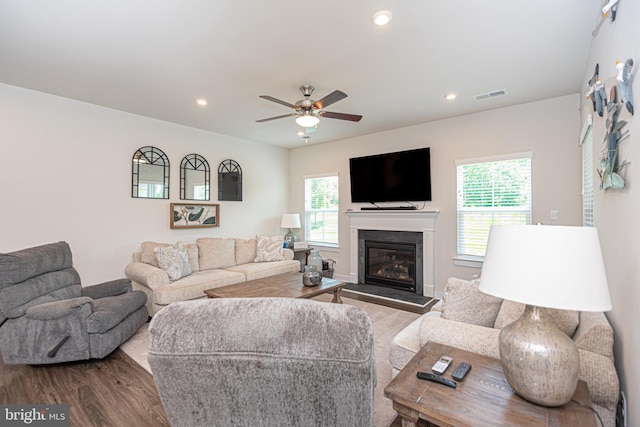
{"x": 468, "y": 319}
{"x": 212, "y": 262}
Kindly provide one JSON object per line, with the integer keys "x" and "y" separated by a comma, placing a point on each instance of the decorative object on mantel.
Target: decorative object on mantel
{"x": 555, "y": 267}
{"x": 150, "y": 174}
{"x": 195, "y": 177}
{"x": 196, "y": 215}
{"x": 290, "y": 220}
{"x": 230, "y": 181}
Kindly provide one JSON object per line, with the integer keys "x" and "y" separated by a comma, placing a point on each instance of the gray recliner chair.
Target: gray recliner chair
{"x": 46, "y": 316}
{"x": 263, "y": 362}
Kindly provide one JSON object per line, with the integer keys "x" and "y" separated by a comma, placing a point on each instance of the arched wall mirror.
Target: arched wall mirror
{"x": 150, "y": 174}
{"x": 230, "y": 181}
{"x": 195, "y": 177}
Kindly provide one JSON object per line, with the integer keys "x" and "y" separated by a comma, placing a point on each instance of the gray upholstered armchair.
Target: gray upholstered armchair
{"x": 46, "y": 316}
{"x": 263, "y": 362}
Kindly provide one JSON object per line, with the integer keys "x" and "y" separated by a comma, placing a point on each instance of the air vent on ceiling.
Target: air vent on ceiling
{"x": 493, "y": 94}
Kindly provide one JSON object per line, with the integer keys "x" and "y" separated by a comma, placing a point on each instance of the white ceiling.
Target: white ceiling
{"x": 155, "y": 57}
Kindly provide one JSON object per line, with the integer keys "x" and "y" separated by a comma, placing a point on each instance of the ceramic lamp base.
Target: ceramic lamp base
{"x": 540, "y": 362}
{"x": 290, "y": 238}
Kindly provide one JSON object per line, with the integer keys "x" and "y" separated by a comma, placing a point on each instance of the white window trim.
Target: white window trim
{"x": 330, "y": 247}
{"x": 496, "y": 158}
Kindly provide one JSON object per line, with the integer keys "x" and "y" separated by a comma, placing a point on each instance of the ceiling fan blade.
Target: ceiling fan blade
{"x": 276, "y": 117}
{"x": 341, "y": 116}
{"x": 333, "y": 97}
{"x": 278, "y": 101}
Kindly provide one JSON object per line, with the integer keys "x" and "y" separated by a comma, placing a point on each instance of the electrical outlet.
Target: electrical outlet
{"x": 554, "y": 214}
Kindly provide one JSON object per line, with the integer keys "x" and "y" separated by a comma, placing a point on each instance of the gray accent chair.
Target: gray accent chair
{"x": 264, "y": 362}
{"x": 46, "y": 316}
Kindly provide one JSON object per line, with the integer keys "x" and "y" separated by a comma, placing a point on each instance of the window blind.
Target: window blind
{"x": 321, "y": 209}
{"x": 491, "y": 192}
{"x": 587, "y": 178}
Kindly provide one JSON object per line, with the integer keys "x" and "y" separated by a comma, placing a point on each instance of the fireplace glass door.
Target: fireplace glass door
{"x": 390, "y": 264}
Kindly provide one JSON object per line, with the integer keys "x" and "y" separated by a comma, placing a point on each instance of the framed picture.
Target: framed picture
{"x": 194, "y": 215}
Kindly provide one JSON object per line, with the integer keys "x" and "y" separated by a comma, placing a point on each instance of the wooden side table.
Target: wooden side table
{"x": 301, "y": 254}
{"x": 482, "y": 398}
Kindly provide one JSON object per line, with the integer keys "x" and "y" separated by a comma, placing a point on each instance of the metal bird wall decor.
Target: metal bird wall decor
{"x": 611, "y": 6}
{"x": 624, "y": 83}
{"x": 610, "y": 166}
{"x": 597, "y": 93}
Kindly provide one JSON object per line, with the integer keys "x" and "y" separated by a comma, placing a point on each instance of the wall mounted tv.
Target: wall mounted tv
{"x": 403, "y": 176}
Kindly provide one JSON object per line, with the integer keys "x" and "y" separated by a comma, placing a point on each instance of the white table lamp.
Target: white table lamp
{"x": 543, "y": 266}
{"x": 290, "y": 221}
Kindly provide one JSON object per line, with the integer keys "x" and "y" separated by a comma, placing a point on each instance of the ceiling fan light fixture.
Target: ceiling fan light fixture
{"x": 307, "y": 120}
{"x": 381, "y": 18}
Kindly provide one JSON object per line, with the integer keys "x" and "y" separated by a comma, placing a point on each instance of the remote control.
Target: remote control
{"x": 441, "y": 365}
{"x": 436, "y": 379}
{"x": 462, "y": 369}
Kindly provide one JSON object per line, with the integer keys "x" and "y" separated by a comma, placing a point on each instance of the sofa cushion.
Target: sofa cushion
{"x": 174, "y": 260}
{"x": 214, "y": 252}
{"x": 269, "y": 248}
{"x": 245, "y": 251}
{"x": 193, "y": 286}
{"x": 148, "y": 254}
{"x": 566, "y": 320}
{"x": 463, "y": 302}
{"x": 258, "y": 270}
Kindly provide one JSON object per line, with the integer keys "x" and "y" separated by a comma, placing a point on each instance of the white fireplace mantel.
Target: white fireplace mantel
{"x": 417, "y": 221}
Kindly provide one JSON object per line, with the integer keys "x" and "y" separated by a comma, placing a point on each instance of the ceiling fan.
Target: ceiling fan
{"x": 309, "y": 111}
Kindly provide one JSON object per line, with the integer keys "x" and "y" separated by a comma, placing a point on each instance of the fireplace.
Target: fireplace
{"x": 422, "y": 222}
{"x": 391, "y": 259}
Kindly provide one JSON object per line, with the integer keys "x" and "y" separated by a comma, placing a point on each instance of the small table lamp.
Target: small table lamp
{"x": 290, "y": 221}
{"x": 543, "y": 266}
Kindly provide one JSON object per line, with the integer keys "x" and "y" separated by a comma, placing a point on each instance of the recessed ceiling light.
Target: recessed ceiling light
{"x": 381, "y": 18}
{"x": 201, "y": 102}
{"x": 450, "y": 96}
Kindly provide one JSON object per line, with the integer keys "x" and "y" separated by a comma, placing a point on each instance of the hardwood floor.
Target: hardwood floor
{"x": 114, "y": 391}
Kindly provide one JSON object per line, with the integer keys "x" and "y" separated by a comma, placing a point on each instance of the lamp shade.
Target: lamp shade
{"x": 547, "y": 266}
{"x": 307, "y": 120}
{"x": 290, "y": 220}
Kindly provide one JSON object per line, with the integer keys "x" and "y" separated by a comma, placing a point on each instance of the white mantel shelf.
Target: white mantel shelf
{"x": 400, "y": 220}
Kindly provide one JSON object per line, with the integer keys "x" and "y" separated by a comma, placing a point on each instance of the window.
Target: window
{"x": 491, "y": 191}
{"x": 321, "y": 209}
{"x": 586, "y": 139}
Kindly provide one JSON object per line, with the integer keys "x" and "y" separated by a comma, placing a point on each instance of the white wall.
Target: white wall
{"x": 549, "y": 128}
{"x": 617, "y": 211}
{"x": 65, "y": 174}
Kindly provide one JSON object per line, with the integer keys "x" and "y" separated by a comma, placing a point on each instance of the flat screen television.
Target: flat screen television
{"x": 403, "y": 176}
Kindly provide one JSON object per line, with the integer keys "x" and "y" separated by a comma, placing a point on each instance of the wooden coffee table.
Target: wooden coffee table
{"x": 287, "y": 285}
{"x": 482, "y": 398}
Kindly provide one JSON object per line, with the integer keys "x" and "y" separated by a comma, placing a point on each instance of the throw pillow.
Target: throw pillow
{"x": 215, "y": 252}
{"x": 566, "y": 320}
{"x": 174, "y": 260}
{"x": 269, "y": 248}
{"x": 148, "y": 254}
{"x": 245, "y": 251}
{"x": 463, "y": 302}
